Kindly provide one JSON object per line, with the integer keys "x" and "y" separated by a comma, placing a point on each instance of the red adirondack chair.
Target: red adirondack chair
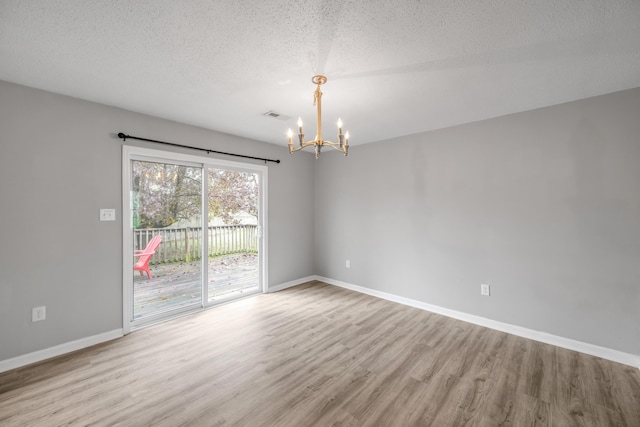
{"x": 145, "y": 255}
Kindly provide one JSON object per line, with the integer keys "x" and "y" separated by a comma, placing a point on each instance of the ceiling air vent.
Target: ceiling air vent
{"x": 275, "y": 115}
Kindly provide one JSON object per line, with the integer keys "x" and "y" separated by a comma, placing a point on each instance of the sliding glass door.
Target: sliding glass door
{"x": 167, "y": 237}
{"x": 193, "y": 235}
{"x": 233, "y": 207}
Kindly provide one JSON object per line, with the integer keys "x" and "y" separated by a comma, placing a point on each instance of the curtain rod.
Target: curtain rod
{"x": 124, "y": 138}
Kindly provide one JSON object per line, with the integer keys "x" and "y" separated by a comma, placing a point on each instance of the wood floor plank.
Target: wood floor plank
{"x": 318, "y": 355}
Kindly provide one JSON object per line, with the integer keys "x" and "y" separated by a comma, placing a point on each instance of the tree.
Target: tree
{"x": 164, "y": 194}
{"x": 232, "y": 192}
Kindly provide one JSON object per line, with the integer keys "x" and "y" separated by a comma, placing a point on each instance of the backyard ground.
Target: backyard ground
{"x": 178, "y": 285}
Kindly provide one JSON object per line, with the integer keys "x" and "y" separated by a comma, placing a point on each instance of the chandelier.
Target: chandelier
{"x": 317, "y": 143}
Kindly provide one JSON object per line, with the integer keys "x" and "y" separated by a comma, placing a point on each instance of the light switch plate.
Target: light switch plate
{"x": 107, "y": 214}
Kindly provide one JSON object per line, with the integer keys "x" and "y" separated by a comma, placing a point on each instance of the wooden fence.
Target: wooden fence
{"x": 185, "y": 244}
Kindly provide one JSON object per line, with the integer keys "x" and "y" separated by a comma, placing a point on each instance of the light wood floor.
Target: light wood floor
{"x": 318, "y": 355}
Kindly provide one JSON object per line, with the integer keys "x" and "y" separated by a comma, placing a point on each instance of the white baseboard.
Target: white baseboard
{"x": 582, "y": 347}
{"x": 281, "y": 286}
{"x": 47, "y": 353}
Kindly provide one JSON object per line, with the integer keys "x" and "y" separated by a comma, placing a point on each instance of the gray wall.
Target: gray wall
{"x": 60, "y": 162}
{"x": 544, "y": 206}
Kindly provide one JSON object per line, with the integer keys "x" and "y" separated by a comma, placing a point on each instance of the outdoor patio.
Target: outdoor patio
{"x": 178, "y": 285}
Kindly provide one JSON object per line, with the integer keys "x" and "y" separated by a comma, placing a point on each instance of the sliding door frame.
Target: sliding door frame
{"x": 130, "y": 153}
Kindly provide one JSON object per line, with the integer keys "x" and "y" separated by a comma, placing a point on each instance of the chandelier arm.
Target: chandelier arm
{"x": 304, "y": 145}
{"x": 338, "y": 148}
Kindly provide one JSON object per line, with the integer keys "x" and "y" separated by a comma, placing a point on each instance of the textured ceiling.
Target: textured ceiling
{"x": 394, "y": 67}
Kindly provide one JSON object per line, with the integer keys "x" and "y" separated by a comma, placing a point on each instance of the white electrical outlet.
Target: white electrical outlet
{"x": 347, "y": 263}
{"x": 484, "y": 290}
{"x": 38, "y": 313}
